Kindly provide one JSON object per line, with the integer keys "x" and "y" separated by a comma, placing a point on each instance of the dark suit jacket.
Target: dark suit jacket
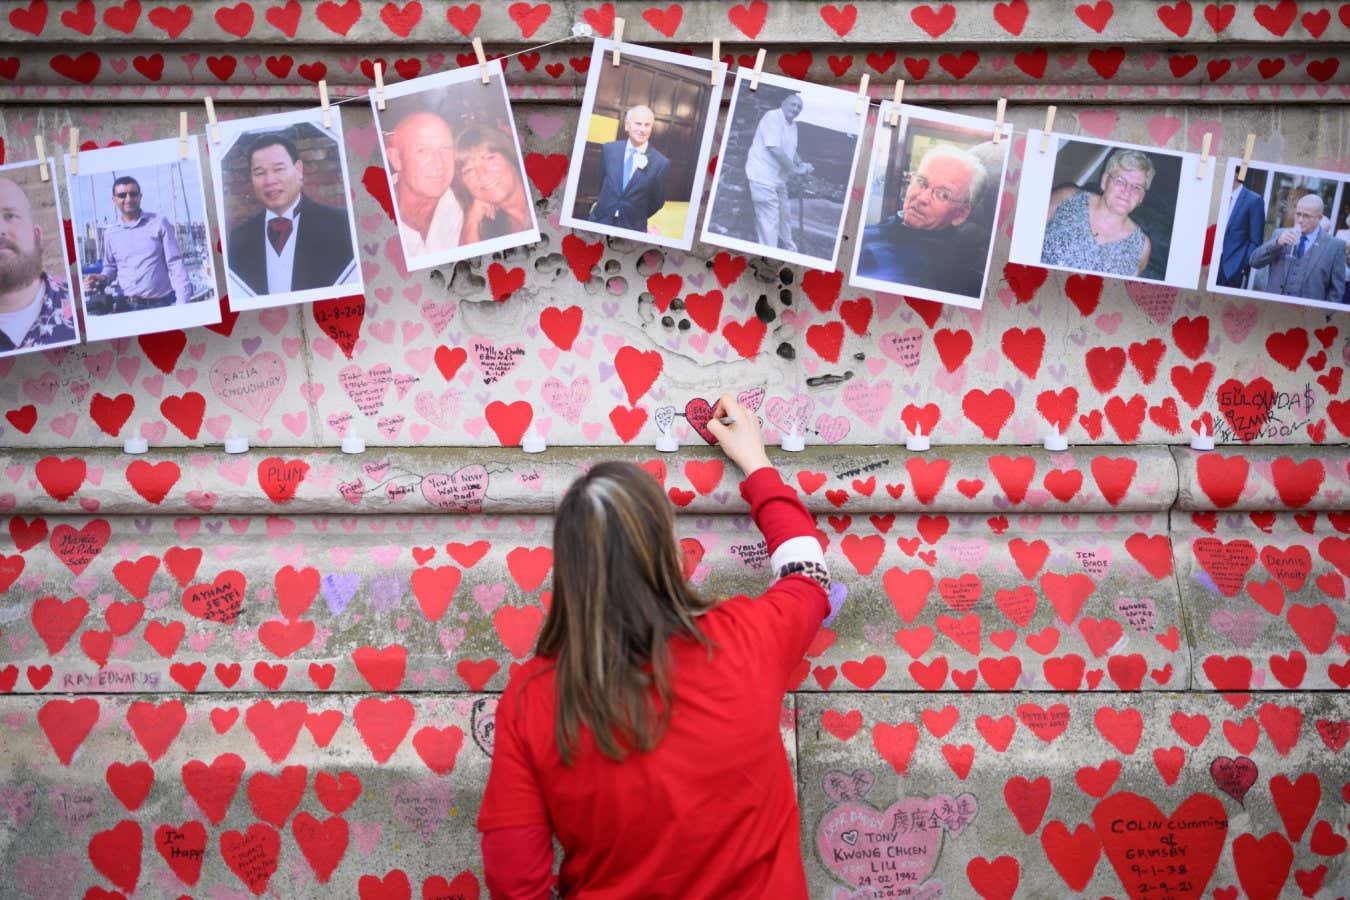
{"x": 323, "y": 248}
{"x": 1323, "y": 275}
{"x": 951, "y": 260}
{"x": 1241, "y": 235}
{"x": 645, "y": 195}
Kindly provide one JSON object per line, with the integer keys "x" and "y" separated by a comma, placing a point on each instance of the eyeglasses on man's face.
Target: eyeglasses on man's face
{"x": 122, "y": 195}
{"x": 940, "y": 194}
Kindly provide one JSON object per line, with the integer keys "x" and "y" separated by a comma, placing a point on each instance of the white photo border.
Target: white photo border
{"x": 496, "y": 77}
{"x": 60, "y": 237}
{"x": 707, "y": 236}
{"x": 145, "y": 321}
{"x": 1189, "y": 222}
{"x": 600, "y": 56}
{"x": 880, "y": 137}
{"x": 231, "y": 131}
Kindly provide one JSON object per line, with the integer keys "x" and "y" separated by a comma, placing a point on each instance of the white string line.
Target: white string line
{"x": 871, "y": 104}
{"x": 505, "y": 56}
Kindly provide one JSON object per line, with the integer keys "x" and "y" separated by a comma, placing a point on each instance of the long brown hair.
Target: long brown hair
{"x": 619, "y": 594}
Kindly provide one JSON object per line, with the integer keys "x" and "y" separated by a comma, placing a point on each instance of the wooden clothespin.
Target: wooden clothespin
{"x": 1049, "y": 126}
{"x": 895, "y": 103}
{"x": 862, "y": 95}
{"x": 323, "y": 100}
{"x": 618, "y": 37}
{"x": 42, "y": 156}
{"x": 759, "y": 68}
{"x": 1247, "y": 149}
{"x": 1204, "y": 155}
{"x": 211, "y": 118}
{"x": 379, "y": 85}
{"x": 482, "y": 59}
{"x": 998, "y": 121}
{"x": 74, "y": 151}
{"x": 716, "y": 60}
{"x": 182, "y": 134}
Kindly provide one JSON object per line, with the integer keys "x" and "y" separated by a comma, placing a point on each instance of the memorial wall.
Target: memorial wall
{"x": 1075, "y": 655}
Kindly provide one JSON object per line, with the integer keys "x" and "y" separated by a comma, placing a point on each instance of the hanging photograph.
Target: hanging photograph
{"x": 282, "y": 194}
{"x": 930, "y": 206}
{"x": 643, "y": 140}
{"x": 789, "y": 152}
{"x": 455, "y": 167}
{"x": 1112, "y": 209}
{"x": 37, "y": 309}
{"x": 1283, "y": 235}
{"x": 142, "y": 244}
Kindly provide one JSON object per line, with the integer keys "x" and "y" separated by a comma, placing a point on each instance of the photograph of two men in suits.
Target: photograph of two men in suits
{"x": 1278, "y": 237}
{"x": 642, "y": 147}
{"x": 282, "y": 193}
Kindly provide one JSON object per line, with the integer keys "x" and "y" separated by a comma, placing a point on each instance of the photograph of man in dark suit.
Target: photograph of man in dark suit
{"x": 295, "y": 243}
{"x": 632, "y": 176}
{"x": 1241, "y": 235}
{"x": 1304, "y": 261}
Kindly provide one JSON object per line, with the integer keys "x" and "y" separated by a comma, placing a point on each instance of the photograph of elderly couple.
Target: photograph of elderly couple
{"x": 1283, "y": 235}
{"x": 1112, "y": 209}
{"x": 142, "y": 239}
{"x": 456, "y": 172}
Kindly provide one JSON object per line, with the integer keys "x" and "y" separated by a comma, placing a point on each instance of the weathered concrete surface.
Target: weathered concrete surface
{"x": 699, "y": 480}
{"x": 289, "y": 794}
{"x": 419, "y": 371}
{"x": 1044, "y": 795}
{"x": 1265, "y": 606}
{"x": 782, "y": 23}
{"x": 447, "y": 603}
{"x": 1144, "y": 363}
{"x": 1309, "y": 479}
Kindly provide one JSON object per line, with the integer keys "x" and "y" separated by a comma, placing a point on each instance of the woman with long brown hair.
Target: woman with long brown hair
{"x": 644, "y": 734}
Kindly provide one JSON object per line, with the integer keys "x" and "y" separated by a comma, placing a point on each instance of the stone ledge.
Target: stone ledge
{"x": 845, "y": 479}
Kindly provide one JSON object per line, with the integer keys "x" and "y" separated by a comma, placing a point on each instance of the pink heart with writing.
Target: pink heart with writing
{"x": 251, "y": 385}
{"x": 462, "y": 490}
{"x": 894, "y": 848}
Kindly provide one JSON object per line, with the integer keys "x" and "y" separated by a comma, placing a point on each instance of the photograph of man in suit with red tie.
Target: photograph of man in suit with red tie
{"x": 632, "y": 176}
{"x": 295, "y": 243}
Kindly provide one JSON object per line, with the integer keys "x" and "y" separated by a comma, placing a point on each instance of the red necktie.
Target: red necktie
{"x": 278, "y": 230}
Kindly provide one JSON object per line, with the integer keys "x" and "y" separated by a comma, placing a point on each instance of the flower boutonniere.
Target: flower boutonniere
{"x": 640, "y": 162}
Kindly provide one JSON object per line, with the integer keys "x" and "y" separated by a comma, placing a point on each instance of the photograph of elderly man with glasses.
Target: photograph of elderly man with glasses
{"x": 930, "y": 210}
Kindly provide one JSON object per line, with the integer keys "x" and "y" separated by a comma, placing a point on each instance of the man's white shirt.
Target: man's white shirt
{"x": 281, "y": 265}
{"x": 774, "y": 130}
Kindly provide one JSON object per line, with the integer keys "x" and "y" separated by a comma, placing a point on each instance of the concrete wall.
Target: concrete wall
{"x": 223, "y": 675}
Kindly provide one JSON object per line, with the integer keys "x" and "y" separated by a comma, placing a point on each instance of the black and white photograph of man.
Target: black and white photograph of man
{"x": 36, "y": 308}
{"x": 788, "y": 157}
{"x": 644, "y": 137}
{"x": 1294, "y": 253}
{"x": 284, "y": 203}
{"x": 934, "y": 189}
{"x": 138, "y": 213}
{"x": 455, "y": 168}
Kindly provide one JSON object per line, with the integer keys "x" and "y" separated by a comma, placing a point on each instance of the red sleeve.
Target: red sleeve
{"x": 518, "y": 862}
{"x": 512, "y": 796}
{"x": 776, "y": 508}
